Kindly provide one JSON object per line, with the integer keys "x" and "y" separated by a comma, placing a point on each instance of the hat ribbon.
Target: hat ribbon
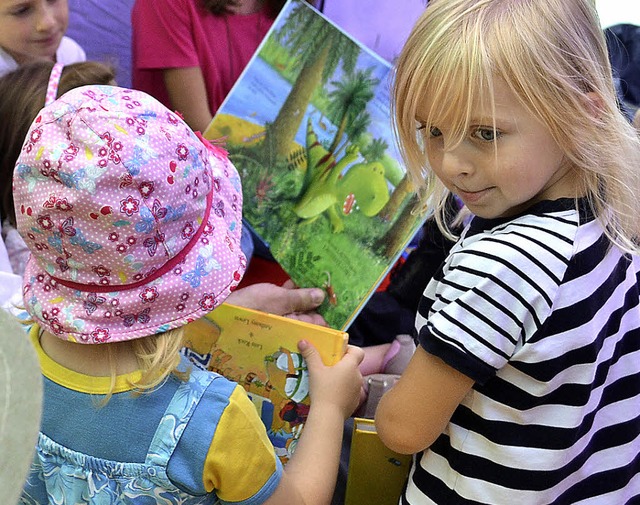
{"x": 169, "y": 265}
{"x": 54, "y": 81}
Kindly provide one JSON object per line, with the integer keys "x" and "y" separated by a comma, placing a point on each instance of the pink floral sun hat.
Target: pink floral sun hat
{"x": 132, "y": 219}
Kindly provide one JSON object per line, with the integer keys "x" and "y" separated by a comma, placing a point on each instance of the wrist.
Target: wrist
{"x": 329, "y": 410}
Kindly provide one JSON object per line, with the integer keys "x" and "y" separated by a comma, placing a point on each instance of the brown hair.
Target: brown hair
{"x": 23, "y": 93}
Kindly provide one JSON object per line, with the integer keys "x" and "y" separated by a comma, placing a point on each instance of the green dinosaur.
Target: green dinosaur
{"x": 363, "y": 187}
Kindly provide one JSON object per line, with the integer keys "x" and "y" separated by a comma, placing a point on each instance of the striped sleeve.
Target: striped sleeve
{"x": 495, "y": 291}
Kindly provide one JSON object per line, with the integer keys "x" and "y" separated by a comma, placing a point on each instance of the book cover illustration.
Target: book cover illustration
{"x": 308, "y": 125}
{"x": 259, "y": 351}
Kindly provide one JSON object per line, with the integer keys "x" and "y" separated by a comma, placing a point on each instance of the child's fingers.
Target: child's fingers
{"x": 310, "y": 354}
{"x": 354, "y": 353}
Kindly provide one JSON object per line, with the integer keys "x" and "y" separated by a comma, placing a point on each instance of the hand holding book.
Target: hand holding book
{"x": 336, "y": 386}
{"x": 335, "y": 392}
{"x": 260, "y": 352}
{"x": 285, "y": 300}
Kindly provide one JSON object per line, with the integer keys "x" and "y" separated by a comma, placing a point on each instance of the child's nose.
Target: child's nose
{"x": 455, "y": 163}
{"x": 46, "y": 18}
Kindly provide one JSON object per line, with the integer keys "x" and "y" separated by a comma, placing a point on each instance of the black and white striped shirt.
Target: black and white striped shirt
{"x": 545, "y": 317}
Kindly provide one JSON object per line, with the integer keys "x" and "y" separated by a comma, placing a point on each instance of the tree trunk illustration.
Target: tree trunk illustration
{"x": 281, "y": 133}
{"x": 338, "y": 136}
{"x": 392, "y": 241}
{"x": 398, "y": 197}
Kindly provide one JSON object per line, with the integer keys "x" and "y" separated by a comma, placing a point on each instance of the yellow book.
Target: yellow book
{"x": 259, "y": 351}
{"x": 376, "y": 473}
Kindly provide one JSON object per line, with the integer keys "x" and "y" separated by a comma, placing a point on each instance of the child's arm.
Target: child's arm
{"x": 413, "y": 413}
{"x": 310, "y": 475}
{"x": 188, "y": 95}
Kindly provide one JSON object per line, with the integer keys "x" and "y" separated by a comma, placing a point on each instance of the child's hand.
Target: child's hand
{"x": 338, "y": 385}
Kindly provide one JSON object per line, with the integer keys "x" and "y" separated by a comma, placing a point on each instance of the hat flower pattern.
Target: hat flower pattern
{"x": 133, "y": 220}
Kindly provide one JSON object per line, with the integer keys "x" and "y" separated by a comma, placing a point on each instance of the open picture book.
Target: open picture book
{"x": 259, "y": 351}
{"x": 308, "y": 126}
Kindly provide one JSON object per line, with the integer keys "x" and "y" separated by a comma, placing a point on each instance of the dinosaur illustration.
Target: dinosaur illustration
{"x": 363, "y": 186}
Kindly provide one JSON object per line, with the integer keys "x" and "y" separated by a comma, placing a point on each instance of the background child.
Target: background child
{"x": 34, "y": 30}
{"x": 189, "y": 53}
{"x": 134, "y": 227}
{"x": 23, "y": 95}
{"x": 525, "y": 383}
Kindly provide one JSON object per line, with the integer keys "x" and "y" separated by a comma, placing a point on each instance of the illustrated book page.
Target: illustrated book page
{"x": 308, "y": 126}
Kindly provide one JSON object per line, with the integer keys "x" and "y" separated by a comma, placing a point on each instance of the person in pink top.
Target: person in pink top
{"x": 189, "y": 53}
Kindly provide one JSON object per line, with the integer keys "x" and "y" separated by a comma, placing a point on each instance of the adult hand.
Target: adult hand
{"x": 285, "y": 300}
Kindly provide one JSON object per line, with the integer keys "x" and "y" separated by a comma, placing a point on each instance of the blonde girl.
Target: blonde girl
{"x": 524, "y": 384}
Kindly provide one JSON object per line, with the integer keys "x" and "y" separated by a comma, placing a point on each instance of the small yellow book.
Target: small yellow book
{"x": 376, "y": 473}
{"x": 260, "y": 352}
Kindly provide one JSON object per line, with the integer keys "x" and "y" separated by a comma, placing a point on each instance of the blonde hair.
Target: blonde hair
{"x": 552, "y": 54}
{"x": 158, "y": 356}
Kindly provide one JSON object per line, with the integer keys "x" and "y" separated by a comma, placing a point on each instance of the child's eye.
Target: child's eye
{"x": 486, "y": 134}
{"x": 21, "y": 8}
{"x": 20, "y": 11}
{"x": 434, "y": 132}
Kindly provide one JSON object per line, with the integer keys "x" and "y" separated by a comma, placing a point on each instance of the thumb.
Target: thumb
{"x": 356, "y": 353}
{"x": 310, "y": 354}
{"x": 289, "y": 284}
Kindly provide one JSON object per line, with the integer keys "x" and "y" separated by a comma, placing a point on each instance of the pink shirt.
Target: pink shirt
{"x": 181, "y": 33}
